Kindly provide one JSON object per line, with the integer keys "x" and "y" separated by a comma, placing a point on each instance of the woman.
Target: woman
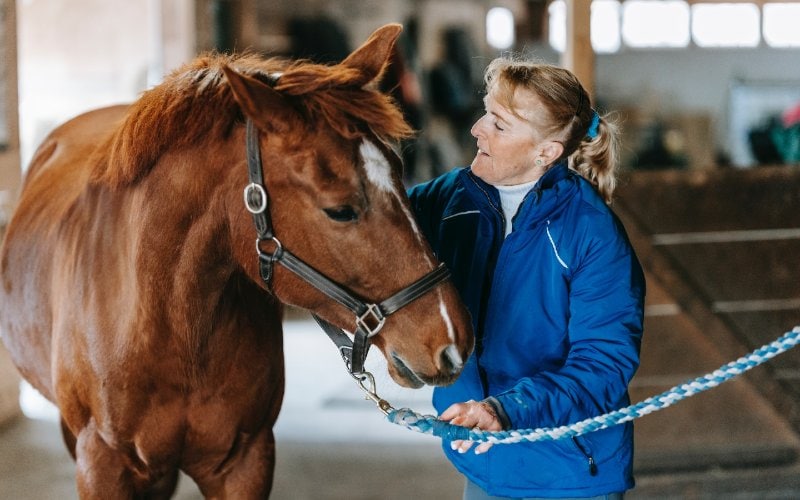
{"x": 555, "y": 290}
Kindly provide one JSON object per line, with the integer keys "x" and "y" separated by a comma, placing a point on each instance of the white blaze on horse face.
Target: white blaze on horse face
{"x": 379, "y": 173}
{"x": 451, "y": 333}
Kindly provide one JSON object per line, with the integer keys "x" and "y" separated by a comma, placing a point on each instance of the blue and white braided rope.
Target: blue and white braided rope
{"x": 428, "y": 424}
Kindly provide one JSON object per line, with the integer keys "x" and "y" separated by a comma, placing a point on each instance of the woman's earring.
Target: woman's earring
{"x": 539, "y": 162}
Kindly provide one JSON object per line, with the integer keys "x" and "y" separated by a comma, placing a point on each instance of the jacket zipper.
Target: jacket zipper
{"x": 587, "y": 455}
{"x": 484, "y": 303}
{"x": 536, "y": 190}
{"x": 491, "y": 203}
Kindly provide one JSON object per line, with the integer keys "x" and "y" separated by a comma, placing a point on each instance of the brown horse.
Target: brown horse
{"x": 132, "y": 290}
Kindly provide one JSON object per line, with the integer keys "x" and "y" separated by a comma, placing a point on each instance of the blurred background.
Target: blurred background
{"x": 708, "y": 94}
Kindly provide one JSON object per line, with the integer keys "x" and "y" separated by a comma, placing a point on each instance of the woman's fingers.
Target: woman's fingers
{"x": 482, "y": 448}
{"x": 454, "y": 411}
{"x": 471, "y": 414}
{"x": 461, "y": 446}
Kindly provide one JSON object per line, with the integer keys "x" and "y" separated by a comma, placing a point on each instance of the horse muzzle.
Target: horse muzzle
{"x": 448, "y": 362}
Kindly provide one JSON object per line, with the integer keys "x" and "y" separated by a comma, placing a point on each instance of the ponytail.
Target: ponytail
{"x": 596, "y": 158}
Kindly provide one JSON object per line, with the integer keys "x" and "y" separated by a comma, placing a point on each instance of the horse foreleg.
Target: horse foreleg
{"x": 246, "y": 475}
{"x": 69, "y": 438}
{"x": 101, "y": 472}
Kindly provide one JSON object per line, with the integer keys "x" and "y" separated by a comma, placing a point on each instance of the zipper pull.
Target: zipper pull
{"x": 592, "y": 467}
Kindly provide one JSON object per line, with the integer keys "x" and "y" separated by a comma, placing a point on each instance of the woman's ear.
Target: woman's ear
{"x": 551, "y": 151}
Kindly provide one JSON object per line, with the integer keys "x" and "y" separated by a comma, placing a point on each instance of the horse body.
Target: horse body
{"x": 217, "y": 378}
{"x": 131, "y": 291}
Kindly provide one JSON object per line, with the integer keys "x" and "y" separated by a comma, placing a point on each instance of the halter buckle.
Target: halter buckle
{"x": 372, "y": 320}
{"x": 255, "y": 198}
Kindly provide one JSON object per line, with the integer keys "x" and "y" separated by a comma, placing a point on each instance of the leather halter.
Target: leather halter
{"x": 369, "y": 317}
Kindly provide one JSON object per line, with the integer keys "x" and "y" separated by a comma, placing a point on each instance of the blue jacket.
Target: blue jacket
{"x": 557, "y": 308}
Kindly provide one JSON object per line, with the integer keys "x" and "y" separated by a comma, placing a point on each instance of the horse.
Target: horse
{"x": 146, "y": 267}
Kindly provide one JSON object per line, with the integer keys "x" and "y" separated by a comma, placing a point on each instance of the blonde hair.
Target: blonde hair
{"x": 568, "y": 115}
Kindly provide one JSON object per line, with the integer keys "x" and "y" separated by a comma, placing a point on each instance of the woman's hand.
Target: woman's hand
{"x": 472, "y": 414}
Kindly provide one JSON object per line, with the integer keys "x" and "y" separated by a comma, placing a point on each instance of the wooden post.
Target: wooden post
{"x": 248, "y": 35}
{"x": 10, "y": 174}
{"x": 578, "y": 54}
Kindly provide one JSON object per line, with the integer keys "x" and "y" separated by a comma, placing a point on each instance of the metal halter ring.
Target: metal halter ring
{"x": 255, "y": 189}
{"x": 274, "y": 255}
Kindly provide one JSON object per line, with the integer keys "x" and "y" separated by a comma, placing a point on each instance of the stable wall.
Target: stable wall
{"x": 694, "y": 81}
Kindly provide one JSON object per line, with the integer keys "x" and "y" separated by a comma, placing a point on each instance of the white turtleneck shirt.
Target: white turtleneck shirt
{"x": 510, "y": 200}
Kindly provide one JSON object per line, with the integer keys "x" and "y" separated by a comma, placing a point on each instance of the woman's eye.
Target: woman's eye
{"x": 341, "y": 214}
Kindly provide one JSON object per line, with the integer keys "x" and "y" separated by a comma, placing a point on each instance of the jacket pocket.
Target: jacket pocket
{"x": 586, "y": 452}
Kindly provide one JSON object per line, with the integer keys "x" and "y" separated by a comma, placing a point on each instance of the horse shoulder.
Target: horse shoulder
{"x": 35, "y": 252}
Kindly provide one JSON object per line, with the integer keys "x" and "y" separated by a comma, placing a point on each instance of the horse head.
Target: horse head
{"x": 336, "y": 200}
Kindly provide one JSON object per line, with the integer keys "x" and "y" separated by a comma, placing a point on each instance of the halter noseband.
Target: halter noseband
{"x": 370, "y": 317}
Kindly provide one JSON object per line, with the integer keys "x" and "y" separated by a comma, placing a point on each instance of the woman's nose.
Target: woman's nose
{"x": 476, "y": 127}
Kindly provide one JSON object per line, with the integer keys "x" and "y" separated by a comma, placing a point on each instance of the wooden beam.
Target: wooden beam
{"x": 245, "y": 24}
{"x": 10, "y": 173}
{"x": 578, "y": 54}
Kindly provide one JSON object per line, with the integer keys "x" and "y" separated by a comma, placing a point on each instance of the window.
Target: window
{"x": 781, "y": 24}
{"x": 605, "y": 25}
{"x": 500, "y": 28}
{"x": 725, "y": 25}
{"x": 655, "y": 24}
{"x": 557, "y": 25}
{"x": 674, "y": 23}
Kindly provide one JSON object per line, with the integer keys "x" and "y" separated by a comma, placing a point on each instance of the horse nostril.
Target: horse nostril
{"x": 450, "y": 361}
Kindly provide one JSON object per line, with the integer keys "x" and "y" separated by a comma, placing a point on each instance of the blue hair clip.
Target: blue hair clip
{"x": 593, "y": 126}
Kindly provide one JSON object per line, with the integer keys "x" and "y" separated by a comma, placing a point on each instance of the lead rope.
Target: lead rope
{"x": 428, "y": 424}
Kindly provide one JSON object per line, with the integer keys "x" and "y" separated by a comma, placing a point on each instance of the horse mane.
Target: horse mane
{"x": 195, "y": 104}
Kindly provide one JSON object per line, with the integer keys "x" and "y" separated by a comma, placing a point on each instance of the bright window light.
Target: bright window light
{"x": 725, "y": 25}
{"x": 781, "y": 22}
{"x": 557, "y": 25}
{"x": 604, "y": 25}
{"x": 655, "y": 23}
{"x": 500, "y": 28}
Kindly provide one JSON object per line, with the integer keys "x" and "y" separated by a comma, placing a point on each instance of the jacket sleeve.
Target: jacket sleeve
{"x": 422, "y": 199}
{"x": 606, "y": 302}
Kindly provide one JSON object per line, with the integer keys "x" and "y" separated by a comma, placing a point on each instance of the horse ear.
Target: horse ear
{"x": 372, "y": 56}
{"x": 259, "y": 100}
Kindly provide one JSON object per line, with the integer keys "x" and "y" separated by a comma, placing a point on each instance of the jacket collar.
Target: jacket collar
{"x": 539, "y": 196}
{"x": 558, "y": 172}
{"x": 550, "y": 178}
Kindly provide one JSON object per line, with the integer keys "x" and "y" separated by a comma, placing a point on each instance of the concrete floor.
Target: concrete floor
{"x": 332, "y": 445}
{"x": 35, "y": 466}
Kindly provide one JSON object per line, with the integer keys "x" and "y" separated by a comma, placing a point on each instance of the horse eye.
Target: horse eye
{"x": 341, "y": 214}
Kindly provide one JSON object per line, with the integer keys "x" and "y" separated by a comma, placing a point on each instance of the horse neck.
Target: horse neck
{"x": 186, "y": 262}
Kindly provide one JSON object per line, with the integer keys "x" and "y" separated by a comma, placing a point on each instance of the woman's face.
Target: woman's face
{"x": 507, "y": 144}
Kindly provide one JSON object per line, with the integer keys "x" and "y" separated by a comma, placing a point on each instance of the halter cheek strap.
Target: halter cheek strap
{"x": 256, "y": 201}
